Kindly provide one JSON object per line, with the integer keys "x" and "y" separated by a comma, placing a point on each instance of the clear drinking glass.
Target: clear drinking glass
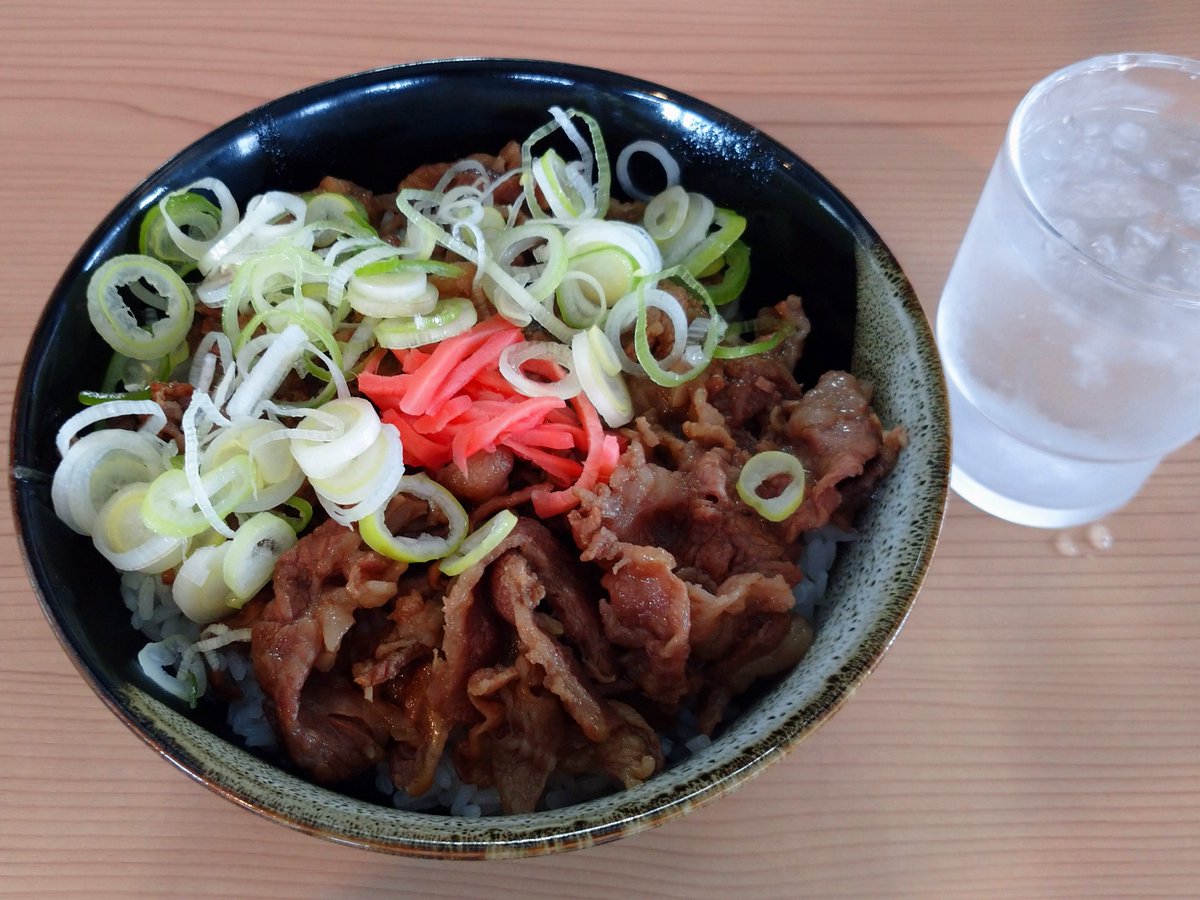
{"x": 1070, "y": 322}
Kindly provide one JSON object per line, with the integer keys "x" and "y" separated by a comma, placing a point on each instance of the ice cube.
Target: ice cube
{"x": 1104, "y": 249}
{"x": 1188, "y": 196}
{"x": 1157, "y": 167}
{"x": 1182, "y": 261}
{"x": 1181, "y": 144}
{"x": 1140, "y": 244}
{"x": 1111, "y": 198}
{"x": 1129, "y": 136}
{"x": 1072, "y": 231}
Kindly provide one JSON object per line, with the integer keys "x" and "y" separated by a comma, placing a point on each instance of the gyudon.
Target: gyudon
{"x": 477, "y": 488}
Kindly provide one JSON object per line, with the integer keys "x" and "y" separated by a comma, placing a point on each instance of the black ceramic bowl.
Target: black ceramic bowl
{"x": 372, "y": 128}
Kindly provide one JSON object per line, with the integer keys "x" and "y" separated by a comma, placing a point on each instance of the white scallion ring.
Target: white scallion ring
{"x": 451, "y": 316}
{"x": 651, "y": 148}
{"x": 97, "y": 466}
{"x": 599, "y": 371}
{"x": 625, "y": 313}
{"x": 249, "y": 561}
{"x": 199, "y": 588}
{"x": 121, "y": 535}
{"x": 360, "y": 426}
{"x": 516, "y": 355}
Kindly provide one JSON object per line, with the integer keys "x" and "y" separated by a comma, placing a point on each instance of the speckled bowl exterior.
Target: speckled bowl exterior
{"x": 806, "y": 238}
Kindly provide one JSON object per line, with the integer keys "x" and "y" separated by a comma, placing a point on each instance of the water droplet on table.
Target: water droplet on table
{"x": 1099, "y": 536}
{"x": 1089, "y": 541}
{"x": 1065, "y": 544}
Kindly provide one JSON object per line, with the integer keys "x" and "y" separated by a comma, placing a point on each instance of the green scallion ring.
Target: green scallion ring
{"x": 764, "y": 345}
{"x": 479, "y": 543}
{"x": 112, "y": 318}
{"x": 736, "y": 274}
{"x": 192, "y": 213}
{"x": 766, "y": 465}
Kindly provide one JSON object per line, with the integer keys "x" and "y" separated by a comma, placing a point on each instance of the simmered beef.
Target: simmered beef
{"x": 326, "y": 724}
{"x": 663, "y": 591}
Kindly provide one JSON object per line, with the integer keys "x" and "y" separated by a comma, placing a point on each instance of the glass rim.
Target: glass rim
{"x": 1011, "y": 151}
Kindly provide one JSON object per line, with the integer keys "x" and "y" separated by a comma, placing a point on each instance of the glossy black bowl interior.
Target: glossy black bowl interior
{"x": 373, "y": 128}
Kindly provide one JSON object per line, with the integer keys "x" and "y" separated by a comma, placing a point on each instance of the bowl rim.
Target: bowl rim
{"x": 658, "y": 808}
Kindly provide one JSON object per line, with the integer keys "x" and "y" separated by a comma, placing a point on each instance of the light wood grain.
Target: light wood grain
{"x": 1034, "y": 731}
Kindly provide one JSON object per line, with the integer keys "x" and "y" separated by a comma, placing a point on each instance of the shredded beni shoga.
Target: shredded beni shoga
{"x": 277, "y": 315}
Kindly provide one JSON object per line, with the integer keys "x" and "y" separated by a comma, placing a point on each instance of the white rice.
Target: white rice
{"x": 176, "y": 639}
{"x": 153, "y": 610}
{"x": 820, "y": 549}
{"x": 448, "y": 792}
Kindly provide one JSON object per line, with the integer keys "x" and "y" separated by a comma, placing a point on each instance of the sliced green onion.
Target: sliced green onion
{"x": 272, "y": 276}
{"x": 312, "y": 314}
{"x": 269, "y": 371}
{"x": 701, "y": 357}
{"x": 451, "y": 316}
{"x": 479, "y": 543}
{"x": 625, "y": 313}
{"x": 113, "y": 319}
{"x": 293, "y": 345}
{"x": 577, "y": 304}
{"x": 120, "y": 534}
{"x": 516, "y": 355}
{"x": 764, "y": 466}
{"x": 599, "y": 373}
{"x": 544, "y": 275}
{"x": 729, "y": 228}
{"x": 114, "y": 373}
{"x": 424, "y": 547}
{"x": 611, "y": 266}
{"x": 155, "y": 419}
{"x": 486, "y": 265}
{"x": 340, "y": 213}
{"x": 601, "y": 267}
{"x": 763, "y": 345}
{"x": 269, "y": 218}
{"x": 98, "y": 465}
{"x": 199, "y": 589}
{"x": 172, "y": 509}
{"x": 665, "y": 213}
{"x": 650, "y": 148}
{"x": 190, "y": 680}
{"x": 138, "y": 374}
{"x": 400, "y": 264}
{"x": 391, "y": 294}
{"x": 277, "y": 476}
{"x": 698, "y": 219}
{"x": 737, "y": 273}
{"x": 567, "y": 197}
{"x": 386, "y": 473}
{"x": 191, "y": 213}
{"x": 605, "y": 353}
{"x": 355, "y": 480}
{"x": 596, "y": 154}
{"x": 591, "y": 234}
{"x": 304, "y": 513}
{"x": 250, "y": 560}
{"x": 94, "y": 398}
{"x": 230, "y": 216}
{"x": 354, "y": 427}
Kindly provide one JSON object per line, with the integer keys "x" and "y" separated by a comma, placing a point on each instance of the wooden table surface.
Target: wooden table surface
{"x": 1034, "y": 731}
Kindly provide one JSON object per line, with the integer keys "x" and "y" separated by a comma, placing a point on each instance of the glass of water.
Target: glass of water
{"x": 1070, "y": 322}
